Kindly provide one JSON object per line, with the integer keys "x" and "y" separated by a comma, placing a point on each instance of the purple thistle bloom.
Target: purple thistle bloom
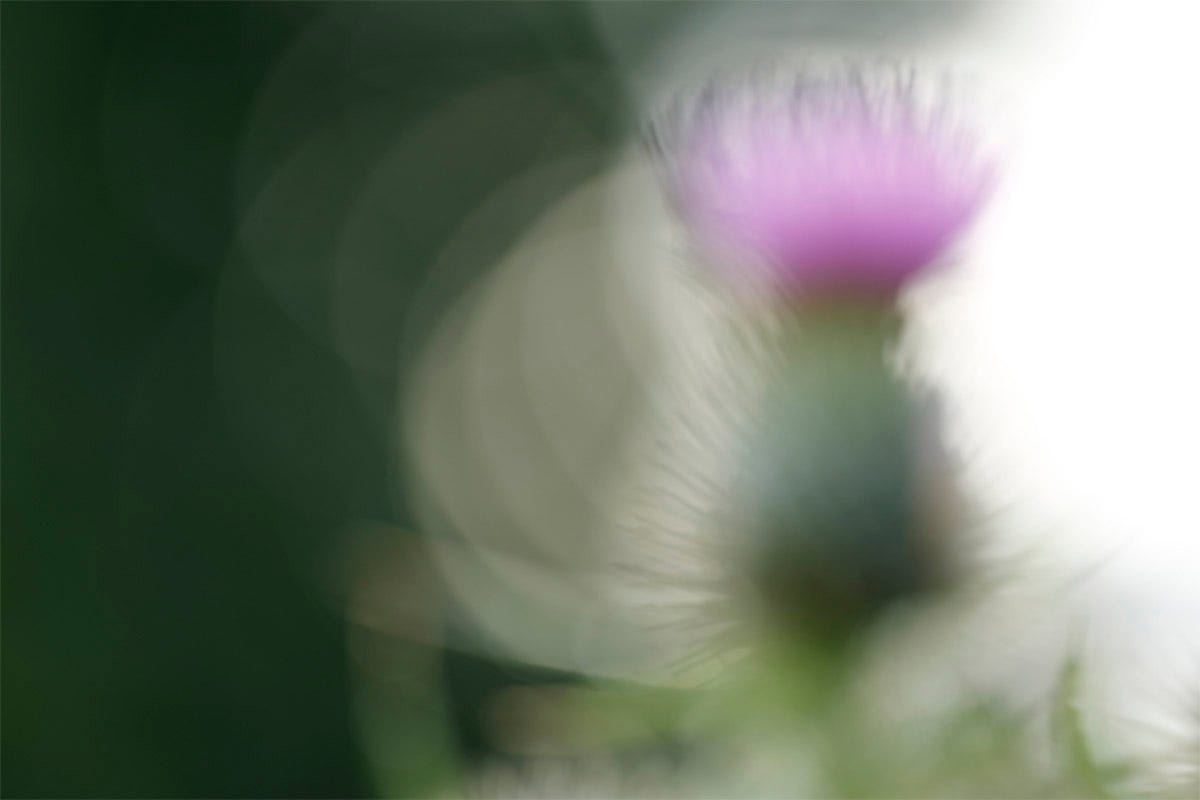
{"x": 825, "y": 183}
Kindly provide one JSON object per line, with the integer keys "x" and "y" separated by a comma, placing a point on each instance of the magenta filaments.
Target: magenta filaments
{"x": 846, "y": 181}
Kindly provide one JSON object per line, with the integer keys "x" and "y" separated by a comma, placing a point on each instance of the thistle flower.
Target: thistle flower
{"x": 803, "y": 506}
{"x": 852, "y": 179}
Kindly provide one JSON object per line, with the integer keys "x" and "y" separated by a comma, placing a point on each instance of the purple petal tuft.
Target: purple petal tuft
{"x": 826, "y": 184}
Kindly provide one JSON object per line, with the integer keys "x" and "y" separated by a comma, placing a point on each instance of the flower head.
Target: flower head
{"x": 837, "y": 181}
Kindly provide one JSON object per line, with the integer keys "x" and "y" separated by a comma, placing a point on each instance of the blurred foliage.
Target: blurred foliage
{"x": 169, "y": 512}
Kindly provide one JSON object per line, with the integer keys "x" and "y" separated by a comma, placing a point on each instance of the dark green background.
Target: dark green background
{"x": 165, "y": 627}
